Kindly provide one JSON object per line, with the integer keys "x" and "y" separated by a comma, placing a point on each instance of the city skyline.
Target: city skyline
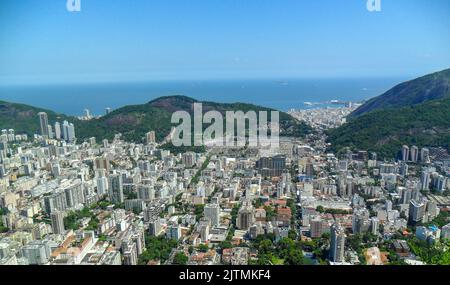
{"x": 225, "y": 132}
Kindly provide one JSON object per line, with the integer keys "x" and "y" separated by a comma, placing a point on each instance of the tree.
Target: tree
{"x": 291, "y": 251}
{"x": 292, "y": 234}
{"x": 180, "y": 259}
{"x": 157, "y": 248}
{"x": 199, "y": 211}
{"x": 203, "y": 248}
{"x": 355, "y": 241}
{"x": 3, "y": 229}
{"x": 225, "y": 244}
{"x": 270, "y": 213}
{"x": 265, "y": 246}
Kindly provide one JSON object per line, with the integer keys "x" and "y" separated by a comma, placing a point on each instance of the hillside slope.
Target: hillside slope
{"x": 385, "y": 131}
{"x": 429, "y": 87}
{"x": 24, "y": 118}
{"x": 135, "y": 120}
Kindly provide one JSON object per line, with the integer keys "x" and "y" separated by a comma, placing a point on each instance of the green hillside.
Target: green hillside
{"x": 135, "y": 120}
{"x": 24, "y": 118}
{"x": 430, "y": 87}
{"x": 385, "y": 131}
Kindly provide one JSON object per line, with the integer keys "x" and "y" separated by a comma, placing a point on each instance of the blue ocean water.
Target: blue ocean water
{"x": 279, "y": 94}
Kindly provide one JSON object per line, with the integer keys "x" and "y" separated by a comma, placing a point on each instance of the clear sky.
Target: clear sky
{"x": 111, "y": 40}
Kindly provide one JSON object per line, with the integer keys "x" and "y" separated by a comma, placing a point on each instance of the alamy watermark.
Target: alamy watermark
{"x": 374, "y": 5}
{"x": 73, "y": 5}
{"x": 241, "y": 129}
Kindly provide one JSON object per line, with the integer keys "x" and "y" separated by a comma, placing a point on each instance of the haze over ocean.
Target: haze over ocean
{"x": 278, "y": 94}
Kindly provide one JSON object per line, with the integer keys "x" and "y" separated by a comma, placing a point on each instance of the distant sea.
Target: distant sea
{"x": 279, "y": 94}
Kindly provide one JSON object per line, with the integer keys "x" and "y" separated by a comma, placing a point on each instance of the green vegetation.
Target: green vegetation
{"x": 286, "y": 251}
{"x": 321, "y": 209}
{"x": 157, "y": 248}
{"x": 291, "y": 204}
{"x": 258, "y": 203}
{"x": 182, "y": 149}
{"x": 441, "y": 220}
{"x": 72, "y": 220}
{"x": 197, "y": 175}
{"x": 134, "y": 121}
{"x": 225, "y": 244}
{"x": 270, "y": 213}
{"x": 416, "y": 112}
{"x": 24, "y": 119}
{"x": 103, "y": 204}
{"x": 3, "y": 229}
{"x": 93, "y": 223}
{"x": 319, "y": 247}
{"x": 198, "y": 211}
{"x": 102, "y": 238}
{"x": 129, "y": 194}
{"x": 423, "y": 125}
{"x": 429, "y": 87}
{"x": 203, "y": 248}
{"x": 360, "y": 242}
{"x": 437, "y": 254}
{"x": 3, "y": 211}
{"x": 234, "y": 213}
{"x": 180, "y": 259}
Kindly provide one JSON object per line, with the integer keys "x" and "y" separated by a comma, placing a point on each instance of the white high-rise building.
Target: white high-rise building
{"x": 50, "y": 132}
{"x": 425, "y": 180}
{"x": 146, "y": 192}
{"x": 43, "y": 121}
{"x": 414, "y": 153}
{"x": 416, "y": 211}
{"x": 374, "y": 225}
{"x": 212, "y": 212}
{"x": 57, "y": 131}
{"x": 65, "y": 130}
{"x": 102, "y": 185}
{"x": 441, "y": 183}
{"x": 337, "y": 245}
{"x": 405, "y": 153}
{"x": 425, "y": 155}
{"x": 115, "y": 188}
{"x": 151, "y": 137}
{"x": 71, "y": 133}
{"x": 57, "y": 219}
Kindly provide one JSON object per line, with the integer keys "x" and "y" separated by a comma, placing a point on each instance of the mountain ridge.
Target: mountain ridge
{"x": 419, "y": 115}
{"x": 133, "y": 121}
{"x": 409, "y": 93}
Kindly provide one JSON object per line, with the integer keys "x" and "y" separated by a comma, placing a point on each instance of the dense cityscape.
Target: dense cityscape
{"x": 113, "y": 202}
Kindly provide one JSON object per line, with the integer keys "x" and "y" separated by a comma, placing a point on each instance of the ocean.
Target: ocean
{"x": 72, "y": 99}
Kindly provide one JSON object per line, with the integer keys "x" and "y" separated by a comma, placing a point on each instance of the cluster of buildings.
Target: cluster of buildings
{"x": 59, "y": 131}
{"x": 93, "y": 202}
{"x": 324, "y": 118}
{"x": 10, "y": 136}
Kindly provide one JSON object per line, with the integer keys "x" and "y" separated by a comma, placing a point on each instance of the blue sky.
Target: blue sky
{"x": 115, "y": 40}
